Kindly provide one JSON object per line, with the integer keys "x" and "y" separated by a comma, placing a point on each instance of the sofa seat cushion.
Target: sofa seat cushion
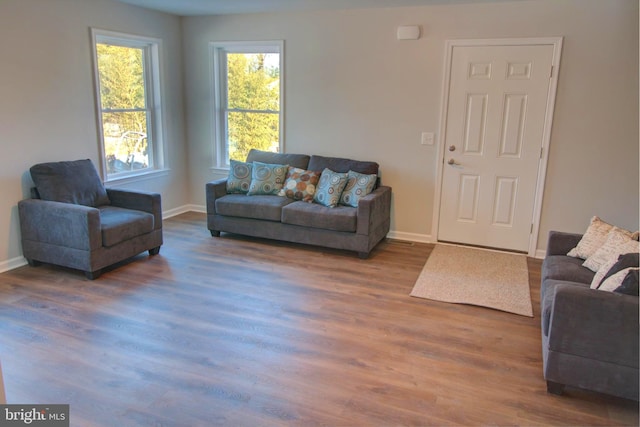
{"x": 119, "y": 224}
{"x": 562, "y": 267}
{"x": 339, "y": 218}
{"x": 257, "y": 207}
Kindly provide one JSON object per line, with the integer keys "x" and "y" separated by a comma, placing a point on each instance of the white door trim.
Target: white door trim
{"x": 556, "y": 42}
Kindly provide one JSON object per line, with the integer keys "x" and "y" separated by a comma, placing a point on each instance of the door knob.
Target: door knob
{"x": 452, "y": 162}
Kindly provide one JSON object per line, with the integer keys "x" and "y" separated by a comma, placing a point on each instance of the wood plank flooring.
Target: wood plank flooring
{"x": 237, "y": 331}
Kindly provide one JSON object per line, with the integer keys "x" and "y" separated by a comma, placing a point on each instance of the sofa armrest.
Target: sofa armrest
{"x": 139, "y": 201}
{"x": 60, "y": 224}
{"x": 594, "y": 324}
{"x": 560, "y": 243}
{"x": 374, "y": 209}
{"x": 214, "y": 190}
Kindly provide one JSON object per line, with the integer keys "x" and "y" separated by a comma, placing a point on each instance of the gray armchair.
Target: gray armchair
{"x": 73, "y": 221}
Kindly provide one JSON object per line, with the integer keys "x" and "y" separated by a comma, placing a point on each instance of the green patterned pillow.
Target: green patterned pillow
{"x": 239, "y": 177}
{"x": 267, "y": 178}
{"x": 358, "y": 186}
{"x": 330, "y": 188}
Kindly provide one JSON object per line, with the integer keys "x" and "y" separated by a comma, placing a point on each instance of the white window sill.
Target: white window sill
{"x": 217, "y": 169}
{"x": 136, "y": 177}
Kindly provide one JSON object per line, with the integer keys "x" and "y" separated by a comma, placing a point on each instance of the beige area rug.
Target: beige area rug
{"x": 486, "y": 278}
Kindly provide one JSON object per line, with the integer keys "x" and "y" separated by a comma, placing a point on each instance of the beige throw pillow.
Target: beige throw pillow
{"x": 602, "y": 271}
{"x": 618, "y": 242}
{"x": 595, "y": 236}
{"x": 614, "y": 282}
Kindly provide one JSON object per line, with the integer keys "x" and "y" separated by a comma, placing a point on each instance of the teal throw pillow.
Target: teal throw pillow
{"x": 239, "y": 177}
{"x": 330, "y": 188}
{"x": 267, "y": 178}
{"x": 358, "y": 186}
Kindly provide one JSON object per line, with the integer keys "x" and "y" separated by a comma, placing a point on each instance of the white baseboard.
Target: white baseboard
{"x": 540, "y": 253}
{"x": 182, "y": 209}
{"x": 10, "y": 264}
{"x": 411, "y": 237}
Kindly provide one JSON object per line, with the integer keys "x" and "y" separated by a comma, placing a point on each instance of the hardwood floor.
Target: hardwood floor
{"x": 244, "y": 332}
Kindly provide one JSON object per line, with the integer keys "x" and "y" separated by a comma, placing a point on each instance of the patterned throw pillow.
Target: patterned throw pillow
{"x": 300, "y": 184}
{"x": 330, "y": 188}
{"x": 358, "y": 186}
{"x": 618, "y": 242}
{"x": 624, "y": 282}
{"x": 239, "y": 177}
{"x": 613, "y": 266}
{"x": 593, "y": 238}
{"x": 267, "y": 178}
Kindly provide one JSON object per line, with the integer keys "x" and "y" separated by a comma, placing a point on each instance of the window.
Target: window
{"x": 129, "y": 107}
{"x": 247, "y": 98}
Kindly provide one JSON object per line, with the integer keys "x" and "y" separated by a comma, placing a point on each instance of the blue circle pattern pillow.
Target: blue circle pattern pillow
{"x": 267, "y": 179}
{"x": 239, "y": 177}
{"x": 330, "y": 188}
{"x": 358, "y": 186}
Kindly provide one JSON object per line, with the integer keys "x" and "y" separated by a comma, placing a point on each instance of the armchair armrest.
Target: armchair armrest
{"x": 560, "y": 243}
{"x": 61, "y": 224}
{"x": 374, "y": 209}
{"x": 595, "y": 324}
{"x": 139, "y": 201}
{"x": 214, "y": 190}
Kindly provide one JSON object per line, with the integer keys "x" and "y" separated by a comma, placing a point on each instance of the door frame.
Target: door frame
{"x": 556, "y": 42}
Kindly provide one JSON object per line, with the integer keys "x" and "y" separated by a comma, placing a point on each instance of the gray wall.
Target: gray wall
{"x": 353, "y": 90}
{"x": 47, "y": 97}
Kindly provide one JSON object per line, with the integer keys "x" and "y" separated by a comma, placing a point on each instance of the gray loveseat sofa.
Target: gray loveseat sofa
{"x": 589, "y": 337}
{"x": 356, "y": 229}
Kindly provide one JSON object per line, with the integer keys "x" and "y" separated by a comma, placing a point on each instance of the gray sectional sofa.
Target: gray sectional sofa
{"x": 356, "y": 229}
{"x": 589, "y": 337}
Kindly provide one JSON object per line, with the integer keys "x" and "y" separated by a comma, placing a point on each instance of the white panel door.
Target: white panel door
{"x": 495, "y": 121}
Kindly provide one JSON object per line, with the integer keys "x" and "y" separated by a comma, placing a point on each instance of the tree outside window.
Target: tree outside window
{"x": 248, "y": 99}
{"x": 128, "y": 91}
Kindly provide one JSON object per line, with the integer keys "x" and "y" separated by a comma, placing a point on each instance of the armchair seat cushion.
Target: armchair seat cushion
{"x": 119, "y": 224}
{"x": 256, "y": 207}
{"x": 340, "y": 218}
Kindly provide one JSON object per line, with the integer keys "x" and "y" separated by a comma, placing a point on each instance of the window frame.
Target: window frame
{"x": 219, "y": 131}
{"x": 152, "y": 69}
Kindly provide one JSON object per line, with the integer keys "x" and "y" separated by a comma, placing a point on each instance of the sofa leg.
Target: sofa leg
{"x": 363, "y": 255}
{"x": 154, "y": 251}
{"x": 215, "y": 233}
{"x": 555, "y": 388}
{"x": 93, "y": 275}
{"x": 33, "y": 262}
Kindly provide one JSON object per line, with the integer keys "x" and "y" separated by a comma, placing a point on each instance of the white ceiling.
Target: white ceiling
{"x": 221, "y": 7}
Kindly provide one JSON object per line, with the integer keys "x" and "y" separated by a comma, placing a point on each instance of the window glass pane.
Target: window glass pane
{"x": 252, "y": 130}
{"x": 125, "y": 141}
{"x": 121, "y": 74}
{"x": 253, "y": 81}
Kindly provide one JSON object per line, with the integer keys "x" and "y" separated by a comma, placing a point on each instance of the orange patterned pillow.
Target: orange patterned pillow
{"x": 300, "y": 184}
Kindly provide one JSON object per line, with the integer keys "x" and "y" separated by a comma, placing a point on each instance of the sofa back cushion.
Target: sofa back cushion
{"x": 74, "y": 182}
{"x": 296, "y": 160}
{"x": 336, "y": 164}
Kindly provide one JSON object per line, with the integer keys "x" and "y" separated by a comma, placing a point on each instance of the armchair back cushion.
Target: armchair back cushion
{"x": 74, "y": 182}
